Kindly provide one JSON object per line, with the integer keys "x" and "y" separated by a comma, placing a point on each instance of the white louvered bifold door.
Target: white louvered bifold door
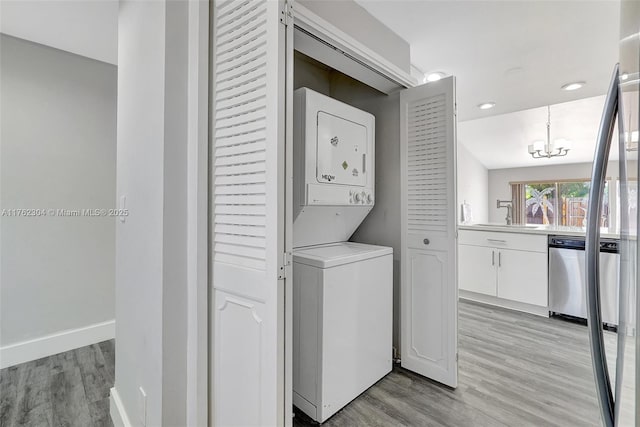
{"x": 247, "y": 213}
{"x": 429, "y": 287}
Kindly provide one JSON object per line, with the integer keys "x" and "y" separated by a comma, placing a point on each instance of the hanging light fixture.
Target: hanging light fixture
{"x": 547, "y": 149}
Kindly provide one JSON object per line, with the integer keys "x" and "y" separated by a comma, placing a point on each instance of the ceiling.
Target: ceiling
{"x": 84, "y": 27}
{"x": 516, "y": 53}
{"x": 501, "y": 141}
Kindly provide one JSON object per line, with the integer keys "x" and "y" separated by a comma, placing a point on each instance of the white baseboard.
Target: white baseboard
{"x": 500, "y": 302}
{"x": 116, "y": 410}
{"x": 59, "y": 342}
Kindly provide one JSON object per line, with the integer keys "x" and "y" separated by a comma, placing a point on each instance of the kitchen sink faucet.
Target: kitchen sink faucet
{"x": 509, "y": 205}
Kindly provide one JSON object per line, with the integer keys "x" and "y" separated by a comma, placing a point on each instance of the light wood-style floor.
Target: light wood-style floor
{"x": 67, "y": 390}
{"x": 514, "y": 370}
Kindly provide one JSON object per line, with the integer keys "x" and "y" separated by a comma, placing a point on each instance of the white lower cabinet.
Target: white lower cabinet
{"x": 477, "y": 272}
{"x": 505, "y": 266}
{"x": 522, "y": 276}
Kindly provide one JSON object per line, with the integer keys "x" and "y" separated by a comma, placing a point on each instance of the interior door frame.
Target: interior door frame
{"x": 288, "y": 220}
{"x": 332, "y": 35}
{"x": 198, "y": 124}
{"x": 303, "y": 17}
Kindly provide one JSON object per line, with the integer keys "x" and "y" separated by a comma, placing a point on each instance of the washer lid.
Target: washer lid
{"x": 334, "y": 254}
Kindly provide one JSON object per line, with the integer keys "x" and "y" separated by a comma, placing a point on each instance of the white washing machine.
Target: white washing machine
{"x": 342, "y": 324}
{"x": 343, "y": 291}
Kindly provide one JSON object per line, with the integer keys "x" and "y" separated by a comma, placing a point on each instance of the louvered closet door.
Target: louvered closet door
{"x": 429, "y": 283}
{"x": 248, "y": 213}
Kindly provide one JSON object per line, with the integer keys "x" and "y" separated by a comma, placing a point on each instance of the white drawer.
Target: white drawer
{"x": 517, "y": 241}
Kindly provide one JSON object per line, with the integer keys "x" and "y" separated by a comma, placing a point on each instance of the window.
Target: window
{"x": 559, "y": 203}
{"x": 540, "y": 200}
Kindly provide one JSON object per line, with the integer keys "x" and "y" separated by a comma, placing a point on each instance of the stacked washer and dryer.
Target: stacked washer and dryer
{"x": 342, "y": 291}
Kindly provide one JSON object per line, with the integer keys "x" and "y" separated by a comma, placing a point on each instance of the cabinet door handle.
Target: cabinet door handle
{"x": 499, "y": 259}
{"x": 497, "y": 240}
{"x": 493, "y": 258}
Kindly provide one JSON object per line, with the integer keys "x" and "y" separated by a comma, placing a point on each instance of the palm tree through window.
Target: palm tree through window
{"x": 559, "y": 203}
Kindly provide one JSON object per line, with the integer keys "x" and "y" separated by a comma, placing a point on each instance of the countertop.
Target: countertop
{"x": 535, "y": 229}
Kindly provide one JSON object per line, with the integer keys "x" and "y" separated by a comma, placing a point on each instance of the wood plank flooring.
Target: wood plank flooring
{"x": 515, "y": 369}
{"x": 68, "y": 389}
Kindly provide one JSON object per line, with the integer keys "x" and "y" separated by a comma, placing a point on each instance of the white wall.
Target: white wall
{"x": 499, "y": 180}
{"x": 473, "y": 185}
{"x": 151, "y": 246}
{"x": 353, "y": 19}
{"x": 198, "y": 215}
{"x": 174, "y": 233}
{"x": 88, "y": 27}
{"x": 57, "y": 150}
{"x": 140, "y": 178}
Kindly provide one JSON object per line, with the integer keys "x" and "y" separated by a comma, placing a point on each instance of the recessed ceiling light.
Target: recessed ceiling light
{"x": 433, "y": 77}
{"x": 486, "y": 105}
{"x": 624, "y": 76}
{"x": 573, "y": 86}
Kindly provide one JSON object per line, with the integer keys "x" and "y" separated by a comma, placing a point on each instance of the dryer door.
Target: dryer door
{"x": 342, "y": 151}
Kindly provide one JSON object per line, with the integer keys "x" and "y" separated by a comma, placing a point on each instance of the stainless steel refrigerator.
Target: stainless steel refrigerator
{"x": 617, "y": 379}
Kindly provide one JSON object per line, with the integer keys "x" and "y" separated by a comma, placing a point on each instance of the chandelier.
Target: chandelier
{"x": 548, "y": 149}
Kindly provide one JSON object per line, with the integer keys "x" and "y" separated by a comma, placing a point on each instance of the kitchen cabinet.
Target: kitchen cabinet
{"x": 522, "y": 276}
{"x": 501, "y": 268}
{"x": 479, "y": 272}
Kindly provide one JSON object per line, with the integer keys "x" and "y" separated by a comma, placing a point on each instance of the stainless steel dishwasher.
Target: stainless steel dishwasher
{"x": 567, "y": 277}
